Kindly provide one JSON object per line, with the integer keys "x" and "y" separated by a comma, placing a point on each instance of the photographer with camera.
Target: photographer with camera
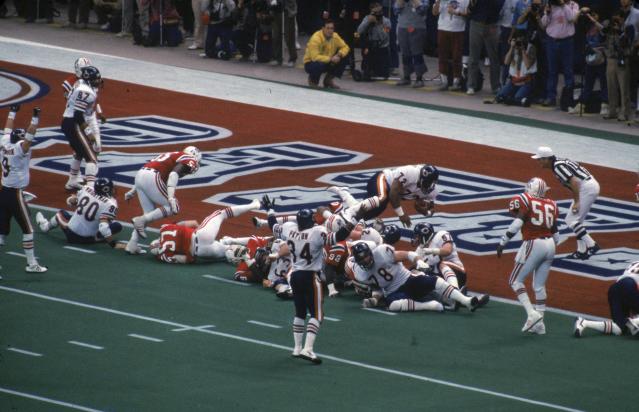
{"x": 374, "y": 38}
{"x": 218, "y": 14}
{"x": 521, "y": 60}
{"x": 595, "y": 68}
{"x": 527, "y": 16}
{"x": 450, "y": 40}
{"x": 619, "y": 46}
{"x": 559, "y": 22}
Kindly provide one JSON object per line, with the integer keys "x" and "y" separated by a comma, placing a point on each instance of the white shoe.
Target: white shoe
{"x": 369, "y": 303}
{"x": 193, "y": 47}
{"x": 470, "y": 91}
{"x": 336, "y": 189}
{"x": 133, "y": 249}
{"x": 533, "y": 319}
{"x": 28, "y": 196}
{"x": 274, "y": 63}
{"x": 123, "y": 34}
{"x": 579, "y": 327}
{"x": 35, "y": 268}
{"x": 633, "y": 325}
{"x": 290, "y": 63}
{"x": 539, "y": 328}
{"x": 138, "y": 225}
{"x": 296, "y": 352}
{"x": 309, "y": 355}
{"x": 42, "y": 222}
{"x": 332, "y": 292}
{"x": 605, "y": 111}
{"x": 579, "y": 108}
{"x": 73, "y": 184}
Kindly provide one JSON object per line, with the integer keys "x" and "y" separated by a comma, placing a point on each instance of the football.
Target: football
{"x": 424, "y": 206}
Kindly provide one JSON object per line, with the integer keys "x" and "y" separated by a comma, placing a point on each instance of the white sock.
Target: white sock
{"x": 450, "y": 276}
{"x": 27, "y": 245}
{"x": 90, "y": 172}
{"x": 298, "y": 332}
{"x": 347, "y": 198}
{"x": 241, "y": 209}
{"x": 74, "y": 170}
{"x": 581, "y": 245}
{"x": 155, "y": 214}
{"x": 370, "y": 203}
{"x": 589, "y": 240}
{"x": 604, "y": 326}
{"x": 312, "y": 329}
{"x": 525, "y": 301}
{"x": 409, "y": 305}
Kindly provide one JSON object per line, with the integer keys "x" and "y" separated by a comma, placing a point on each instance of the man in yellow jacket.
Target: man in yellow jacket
{"x": 325, "y": 53}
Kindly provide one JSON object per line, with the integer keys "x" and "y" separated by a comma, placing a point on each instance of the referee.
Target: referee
{"x": 585, "y": 190}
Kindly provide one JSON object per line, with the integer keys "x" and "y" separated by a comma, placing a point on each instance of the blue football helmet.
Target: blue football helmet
{"x": 17, "y": 135}
{"x": 103, "y": 186}
{"x": 391, "y": 234}
{"x": 422, "y": 234}
{"x": 363, "y": 255}
{"x": 428, "y": 176}
{"x": 92, "y": 76}
{"x": 305, "y": 219}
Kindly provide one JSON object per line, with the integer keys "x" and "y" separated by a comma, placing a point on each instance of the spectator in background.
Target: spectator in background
{"x": 559, "y": 22}
{"x": 411, "y": 33}
{"x": 619, "y": 40}
{"x": 521, "y": 60}
{"x": 127, "y": 18}
{"x": 631, "y": 15}
{"x": 505, "y": 35}
{"x": 450, "y": 40}
{"x": 374, "y": 40}
{"x": 78, "y": 12}
{"x": 484, "y": 31}
{"x": 389, "y": 11}
{"x": 284, "y": 12}
{"x": 325, "y": 53}
{"x": 198, "y": 27}
{"x": 244, "y": 30}
{"x": 527, "y": 17}
{"x": 595, "y": 68}
{"x": 220, "y": 26}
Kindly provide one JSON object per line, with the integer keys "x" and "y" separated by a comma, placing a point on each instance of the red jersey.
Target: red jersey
{"x": 165, "y": 163}
{"x": 68, "y": 83}
{"x": 253, "y": 244}
{"x": 540, "y": 215}
{"x": 175, "y": 240}
{"x": 336, "y": 256}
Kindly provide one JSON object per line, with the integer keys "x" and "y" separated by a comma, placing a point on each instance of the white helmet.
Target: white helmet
{"x": 80, "y": 63}
{"x": 537, "y": 187}
{"x": 193, "y": 151}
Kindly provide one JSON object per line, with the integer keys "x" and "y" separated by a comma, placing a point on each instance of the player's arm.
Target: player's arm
{"x": 98, "y": 111}
{"x": 445, "y": 250}
{"x": 395, "y": 199}
{"x": 31, "y": 131}
{"x": 412, "y": 258}
{"x": 171, "y": 184}
{"x": 11, "y": 117}
{"x": 512, "y": 230}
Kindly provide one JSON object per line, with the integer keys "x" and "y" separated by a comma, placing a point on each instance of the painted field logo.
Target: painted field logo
{"x": 219, "y": 166}
{"x": 607, "y": 264}
{"x": 16, "y": 88}
{"x": 139, "y": 131}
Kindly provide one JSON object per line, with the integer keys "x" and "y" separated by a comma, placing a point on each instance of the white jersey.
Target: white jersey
{"x": 632, "y": 271}
{"x": 408, "y": 176}
{"x": 82, "y": 98}
{"x": 15, "y": 164}
{"x": 371, "y": 235}
{"x": 90, "y": 209}
{"x": 281, "y": 267}
{"x": 440, "y": 239}
{"x": 386, "y": 273}
{"x": 306, "y": 246}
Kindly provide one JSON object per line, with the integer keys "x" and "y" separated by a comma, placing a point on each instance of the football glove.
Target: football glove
{"x": 129, "y": 195}
{"x": 36, "y": 112}
{"x": 14, "y": 107}
{"x": 175, "y": 207}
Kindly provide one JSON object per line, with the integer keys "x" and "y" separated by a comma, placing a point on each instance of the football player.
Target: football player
{"x": 254, "y": 268}
{"x": 76, "y": 125}
{"x": 536, "y": 217}
{"x": 155, "y": 184}
{"x": 412, "y": 182}
{"x": 306, "y": 242}
{"x": 623, "y": 298}
{"x": 15, "y": 154}
{"x": 278, "y": 263}
{"x": 93, "y": 218}
{"x": 381, "y": 266}
{"x": 184, "y": 242}
{"x": 440, "y": 252}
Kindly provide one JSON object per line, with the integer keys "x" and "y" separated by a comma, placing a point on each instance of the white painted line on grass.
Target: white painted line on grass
{"x": 195, "y": 328}
{"x": 383, "y": 312}
{"x": 234, "y": 282}
{"x": 78, "y": 249}
{"x": 332, "y": 319}
{"x": 16, "y": 254}
{"x": 135, "y": 335}
{"x": 86, "y": 345}
{"x": 24, "y": 352}
{"x": 289, "y": 349}
{"x": 49, "y": 400}
{"x": 268, "y": 325}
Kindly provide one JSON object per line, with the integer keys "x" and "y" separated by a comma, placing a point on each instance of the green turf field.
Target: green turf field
{"x": 239, "y": 358}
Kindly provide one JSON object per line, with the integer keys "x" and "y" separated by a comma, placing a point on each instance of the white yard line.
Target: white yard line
{"x": 233, "y": 282}
{"x": 332, "y": 319}
{"x": 268, "y": 325}
{"x": 85, "y": 345}
{"x": 149, "y": 338}
{"x": 195, "y": 328}
{"x": 16, "y": 254}
{"x": 77, "y": 249}
{"x": 25, "y": 352}
{"x": 289, "y": 349}
{"x": 49, "y": 400}
{"x": 383, "y": 312}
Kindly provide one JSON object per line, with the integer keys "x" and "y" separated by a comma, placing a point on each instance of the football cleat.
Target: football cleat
{"x": 309, "y": 355}
{"x": 579, "y": 327}
{"x": 73, "y": 185}
{"x": 258, "y": 223}
{"x": 138, "y": 225}
{"x": 483, "y": 300}
{"x": 473, "y": 304}
{"x": 533, "y": 319}
{"x": 578, "y": 255}
{"x": 369, "y": 303}
{"x": 255, "y": 204}
{"x": 28, "y": 196}
{"x": 35, "y": 268}
{"x": 592, "y": 250}
{"x": 134, "y": 249}
{"x": 539, "y": 329}
{"x": 42, "y": 222}
{"x": 633, "y": 325}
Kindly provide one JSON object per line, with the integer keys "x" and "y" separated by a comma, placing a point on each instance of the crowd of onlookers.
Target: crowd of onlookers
{"x": 525, "y": 44}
